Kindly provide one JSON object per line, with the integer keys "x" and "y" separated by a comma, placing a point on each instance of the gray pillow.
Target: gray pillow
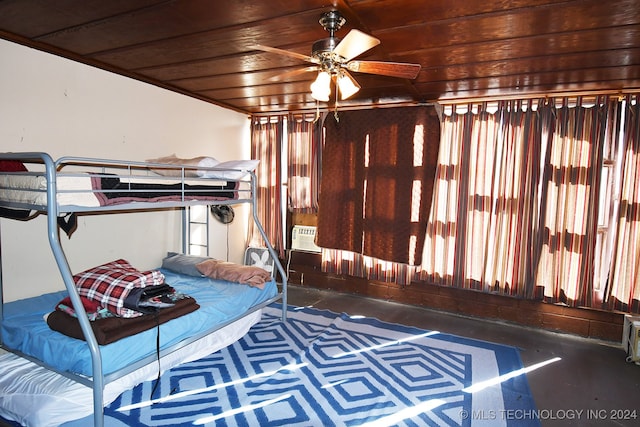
{"x": 183, "y": 264}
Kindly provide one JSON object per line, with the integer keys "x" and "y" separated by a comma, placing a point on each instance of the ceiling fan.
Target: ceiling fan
{"x": 334, "y": 60}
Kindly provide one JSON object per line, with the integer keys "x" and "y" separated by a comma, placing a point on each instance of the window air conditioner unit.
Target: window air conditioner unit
{"x": 631, "y": 338}
{"x": 303, "y": 238}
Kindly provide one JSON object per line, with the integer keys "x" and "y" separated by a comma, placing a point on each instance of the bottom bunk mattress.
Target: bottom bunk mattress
{"x": 35, "y": 396}
{"x": 26, "y": 330}
{"x": 25, "y": 386}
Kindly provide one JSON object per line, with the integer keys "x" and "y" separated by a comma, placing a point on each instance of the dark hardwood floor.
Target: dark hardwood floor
{"x": 589, "y": 384}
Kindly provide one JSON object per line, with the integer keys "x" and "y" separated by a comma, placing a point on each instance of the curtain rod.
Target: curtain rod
{"x": 345, "y": 107}
{"x": 567, "y": 94}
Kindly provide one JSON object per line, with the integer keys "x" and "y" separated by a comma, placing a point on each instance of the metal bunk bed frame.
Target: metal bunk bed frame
{"x": 98, "y": 381}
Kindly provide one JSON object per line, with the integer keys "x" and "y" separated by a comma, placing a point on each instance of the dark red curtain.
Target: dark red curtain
{"x": 378, "y": 169}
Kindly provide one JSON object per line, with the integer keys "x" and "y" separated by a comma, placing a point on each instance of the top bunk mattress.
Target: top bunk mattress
{"x": 94, "y": 184}
{"x": 25, "y": 328}
{"x": 96, "y": 190}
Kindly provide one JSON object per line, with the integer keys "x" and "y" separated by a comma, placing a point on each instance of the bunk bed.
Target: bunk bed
{"x": 73, "y": 186}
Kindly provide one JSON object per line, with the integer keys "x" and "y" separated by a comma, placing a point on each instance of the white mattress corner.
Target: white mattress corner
{"x": 31, "y": 189}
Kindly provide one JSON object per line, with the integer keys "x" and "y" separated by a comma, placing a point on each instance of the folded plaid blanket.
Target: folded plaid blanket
{"x": 110, "y": 284}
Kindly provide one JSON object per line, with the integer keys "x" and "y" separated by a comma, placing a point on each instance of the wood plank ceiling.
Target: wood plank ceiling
{"x": 467, "y": 49}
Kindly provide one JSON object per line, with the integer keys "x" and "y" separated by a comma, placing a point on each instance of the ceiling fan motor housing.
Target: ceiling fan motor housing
{"x": 324, "y": 46}
{"x": 331, "y": 21}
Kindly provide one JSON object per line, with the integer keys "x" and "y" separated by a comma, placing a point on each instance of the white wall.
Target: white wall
{"x": 51, "y": 104}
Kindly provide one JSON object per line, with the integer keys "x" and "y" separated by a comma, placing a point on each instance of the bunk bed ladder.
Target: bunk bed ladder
{"x": 195, "y": 223}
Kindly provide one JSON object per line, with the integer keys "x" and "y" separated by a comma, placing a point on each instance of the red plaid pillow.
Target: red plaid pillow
{"x": 109, "y": 284}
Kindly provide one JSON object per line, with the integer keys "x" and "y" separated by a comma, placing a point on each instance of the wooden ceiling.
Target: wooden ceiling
{"x": 467, "y": 49}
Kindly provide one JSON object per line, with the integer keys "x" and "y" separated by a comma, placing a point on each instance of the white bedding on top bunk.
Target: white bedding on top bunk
{"x": 73, "y": 190}
{"x": 77, "y": 189}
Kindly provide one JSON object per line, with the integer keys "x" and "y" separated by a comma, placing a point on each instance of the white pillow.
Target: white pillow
{"x": 231, "y": 170}
{"x": 205, "y": 162}
{"x": 240, "y": 169}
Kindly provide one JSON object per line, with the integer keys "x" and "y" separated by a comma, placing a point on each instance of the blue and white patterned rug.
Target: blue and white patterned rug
{"x": 324, "y": 369}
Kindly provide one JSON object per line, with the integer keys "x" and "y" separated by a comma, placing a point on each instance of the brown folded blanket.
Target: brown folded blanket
{"x": 224, "y": 270}
{"x": 111, "y": 329}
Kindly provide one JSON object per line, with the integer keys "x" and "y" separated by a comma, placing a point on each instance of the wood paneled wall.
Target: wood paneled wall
{"x": 602, "y": 325}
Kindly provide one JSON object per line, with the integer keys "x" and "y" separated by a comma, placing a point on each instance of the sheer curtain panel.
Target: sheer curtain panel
{"x": 570, "y": 200}
{"x": 303, "y": 155}
{"x": 266, "y": 146}
{"x": 485, "y": 199}
{"x": 624, "y": 281}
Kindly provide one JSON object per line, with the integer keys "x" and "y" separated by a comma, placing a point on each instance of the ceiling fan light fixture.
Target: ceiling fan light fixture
{"x": 321, "y": 87}
{"x": 347, "y": 85}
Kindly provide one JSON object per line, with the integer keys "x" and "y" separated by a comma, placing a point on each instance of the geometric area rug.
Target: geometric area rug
{"x": 320, "y": 368}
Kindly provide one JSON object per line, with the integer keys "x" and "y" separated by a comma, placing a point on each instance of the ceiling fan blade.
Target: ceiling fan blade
{"x": 286, "y": 76}
{"x": 355, "y": 43}
{"x": 287, "y": 53}
{"x": 393, "y": 69}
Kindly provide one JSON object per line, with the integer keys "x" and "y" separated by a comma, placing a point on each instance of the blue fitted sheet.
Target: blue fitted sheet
{"x": 25, "y": 329}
